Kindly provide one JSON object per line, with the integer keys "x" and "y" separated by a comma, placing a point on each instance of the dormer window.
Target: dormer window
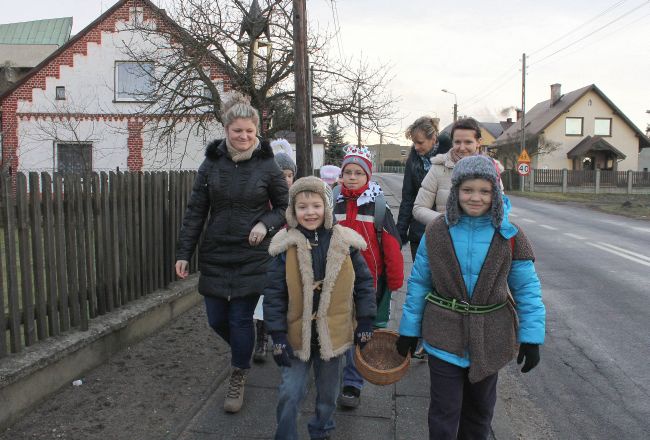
{"x": 60, "y": 93}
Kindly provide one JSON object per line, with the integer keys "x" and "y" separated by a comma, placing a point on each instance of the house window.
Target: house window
{"x": 403, "y": 152}
{"x": 573, "y": 126}
{"x": 603, "y": 127}
{"x": 133, "y": 81}
{"x": 74, "y": 158}
{"x": 207, "y": 93}
{"x": 60, "y": 92}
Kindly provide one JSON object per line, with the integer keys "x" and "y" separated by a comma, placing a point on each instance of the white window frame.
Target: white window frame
{"x": 132, "y": 96}
{"x": 609, "y": 133}
{"x": 573, "y": 133}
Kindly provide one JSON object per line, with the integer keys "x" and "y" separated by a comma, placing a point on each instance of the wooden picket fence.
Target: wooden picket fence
{"x": 74, "y": 247}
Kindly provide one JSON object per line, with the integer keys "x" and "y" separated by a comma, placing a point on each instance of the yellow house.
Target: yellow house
{"x": 490, "y": 131}
{"x": 581, "y": 130}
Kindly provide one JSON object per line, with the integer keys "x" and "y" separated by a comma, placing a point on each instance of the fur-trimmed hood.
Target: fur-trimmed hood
{"x": 217, "y": 148}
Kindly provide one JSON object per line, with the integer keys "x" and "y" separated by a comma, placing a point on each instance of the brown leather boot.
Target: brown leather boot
{"x": 235, "y": 392}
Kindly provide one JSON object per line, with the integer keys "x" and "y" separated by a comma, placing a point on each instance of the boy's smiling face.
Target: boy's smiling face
{"x": 475, "y": 197}
{"x": 310, "y": 210}
{"x": 353, "y": 176}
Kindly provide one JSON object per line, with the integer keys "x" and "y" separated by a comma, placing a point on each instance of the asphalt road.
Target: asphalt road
{"x": 594, "y": 379}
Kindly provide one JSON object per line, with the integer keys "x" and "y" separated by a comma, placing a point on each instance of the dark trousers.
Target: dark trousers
{"x": 459, "y": 409}
{"x": 414, "y": 248}
{"x": 233, "y": 321}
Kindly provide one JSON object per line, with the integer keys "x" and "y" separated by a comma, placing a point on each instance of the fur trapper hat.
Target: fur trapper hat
{"x": 314, "y": 185}
{"x": 475, "y": 167}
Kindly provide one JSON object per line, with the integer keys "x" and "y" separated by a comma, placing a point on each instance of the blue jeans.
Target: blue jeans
{"x": 351, "y": 376}
{"x": 293, "y": 390}
{"x": 233, "y": 321}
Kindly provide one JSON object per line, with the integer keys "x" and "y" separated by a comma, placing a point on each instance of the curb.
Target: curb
{"x": 29, "y": 377}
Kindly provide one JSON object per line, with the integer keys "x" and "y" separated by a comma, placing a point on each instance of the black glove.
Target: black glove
{"x": 406, "y": 344}
{"x": 363, "y": 332}
{"x": 282, "y": 351}
{"x": 531, "y": 353}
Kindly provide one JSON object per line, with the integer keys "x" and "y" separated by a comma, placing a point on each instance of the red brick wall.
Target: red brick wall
{"x": 134, "y": 160}
{"x": 9, "y": 127}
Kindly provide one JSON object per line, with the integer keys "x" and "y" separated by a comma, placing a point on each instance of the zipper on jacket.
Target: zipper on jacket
{"x": 470, "y": 239}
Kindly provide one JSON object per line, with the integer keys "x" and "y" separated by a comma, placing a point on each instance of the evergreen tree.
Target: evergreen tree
{"x": 335, "y": 142}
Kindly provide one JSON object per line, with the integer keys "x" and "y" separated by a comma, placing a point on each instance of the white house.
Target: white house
{"x": 79, "y": 108}
{"x": 317, "y": 148}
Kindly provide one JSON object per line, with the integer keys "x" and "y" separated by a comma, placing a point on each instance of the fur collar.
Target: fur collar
{"x": 217, "y": 148}
{"x": 286, "y": 238}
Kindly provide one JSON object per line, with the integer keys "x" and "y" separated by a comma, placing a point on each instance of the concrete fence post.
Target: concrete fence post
{"x": 597, "y": 180}
{"x": 629, "y": 181}
{"x": 565, "y": 180}
{"x": 532, "y": 179}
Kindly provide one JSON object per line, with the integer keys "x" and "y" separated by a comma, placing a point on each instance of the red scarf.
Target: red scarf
{"x": 353, "y": 193}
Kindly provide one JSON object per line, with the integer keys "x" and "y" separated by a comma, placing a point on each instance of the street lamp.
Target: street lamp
{"x": 455, "y": 103}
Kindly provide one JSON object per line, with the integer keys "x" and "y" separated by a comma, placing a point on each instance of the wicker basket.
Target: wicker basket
{"x": 379, "y": 362}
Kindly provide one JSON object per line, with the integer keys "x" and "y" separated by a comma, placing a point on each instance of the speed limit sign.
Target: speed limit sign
{"x": 523, "y": 168}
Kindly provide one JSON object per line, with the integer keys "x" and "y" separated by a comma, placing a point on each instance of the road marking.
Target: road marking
{"x": 576, "y": 236}
{"x": 527, "y": 220}
{"x": 512, "y": 215}
{"x": 620, "y": 249}
{"x": 641, "y": 229}
{"x": 620, "y": 254}
{"x": 548, "y": 227}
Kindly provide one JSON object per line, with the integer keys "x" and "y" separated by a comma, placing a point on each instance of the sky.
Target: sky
{"x": 474, "y": 51}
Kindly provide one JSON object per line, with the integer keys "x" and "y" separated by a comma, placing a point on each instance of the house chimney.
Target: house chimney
{"x": 509, "y": 120}
{"x": 555, "y": 93}
{"x": 518, "y": 114}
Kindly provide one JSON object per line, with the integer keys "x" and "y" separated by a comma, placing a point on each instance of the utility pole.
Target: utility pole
{"x": 523, "y": 112}
{"x": 301, "y": 69}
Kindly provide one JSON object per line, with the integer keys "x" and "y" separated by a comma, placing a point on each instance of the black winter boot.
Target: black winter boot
{"x": 259, "y": 355}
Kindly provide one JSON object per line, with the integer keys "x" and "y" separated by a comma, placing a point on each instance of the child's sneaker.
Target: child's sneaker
{"x": 349, "y": 397}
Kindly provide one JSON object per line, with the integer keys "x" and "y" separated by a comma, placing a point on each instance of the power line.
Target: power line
{"x": 480, "y": 97}
{"x": 624, "y": 27}
{"x": 488, "y": 85}
{"x": 591, "y": 33}
{"x": 610, "y": 8}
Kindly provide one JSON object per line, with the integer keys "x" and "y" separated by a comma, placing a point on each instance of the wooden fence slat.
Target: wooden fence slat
{"x": 90, "y": 236}
{"x": 102, "y": 291}
{"x": 61, "y": 259}
{"x": 173, "y": 221}
{"x": 148, "y": 235}
{"x": 27, "y": 289}
{"x": 137, "y": 211}
{"x": 71, "y": 248}
{"x": 82, "y": 251}
{"x": 119, "y": 236}
{"x": 109, "y": 194}
{"x": 50, "y": 255}
{"x": 159, "y": 217}
{"x": 154, "y": 218}
{"x": 9, "y": 221}
{"x": 130, "y": 263}
{"x": 167, "y": 235}
{"x": 36, "y": 220}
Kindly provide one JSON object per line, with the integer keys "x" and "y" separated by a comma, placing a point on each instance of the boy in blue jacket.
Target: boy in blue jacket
{"x": 459, "y": 302}
{"x": 318, "y": 302}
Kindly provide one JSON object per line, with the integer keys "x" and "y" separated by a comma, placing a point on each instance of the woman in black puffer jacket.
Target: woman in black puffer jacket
{"x": 426, "y": 143}
{"x": 240, "y": 189}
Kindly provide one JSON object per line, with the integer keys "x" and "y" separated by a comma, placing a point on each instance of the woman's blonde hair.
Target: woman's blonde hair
{"x": 426, "y": 124}
{"x": 238, "y": 107}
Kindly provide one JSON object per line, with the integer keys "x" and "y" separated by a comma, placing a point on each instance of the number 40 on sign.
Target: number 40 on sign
{"x": 523, "y": 164}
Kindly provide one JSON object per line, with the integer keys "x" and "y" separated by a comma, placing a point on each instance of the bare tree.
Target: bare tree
{"x": 221, "y": 46}
{"x": 536, "y": 145}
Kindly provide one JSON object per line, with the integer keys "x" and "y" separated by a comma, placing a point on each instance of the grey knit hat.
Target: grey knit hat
{"x": 315, "y": 185}
{"x": 475, "y": 167}
{"x": 285, "y": 162}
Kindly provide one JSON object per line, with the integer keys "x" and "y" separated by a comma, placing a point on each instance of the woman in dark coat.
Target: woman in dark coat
{"x": 426, "y": 143}
{"x": 240, "y": 189}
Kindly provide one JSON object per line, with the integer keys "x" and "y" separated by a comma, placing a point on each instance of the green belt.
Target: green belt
{"x": 461, "y": 306}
